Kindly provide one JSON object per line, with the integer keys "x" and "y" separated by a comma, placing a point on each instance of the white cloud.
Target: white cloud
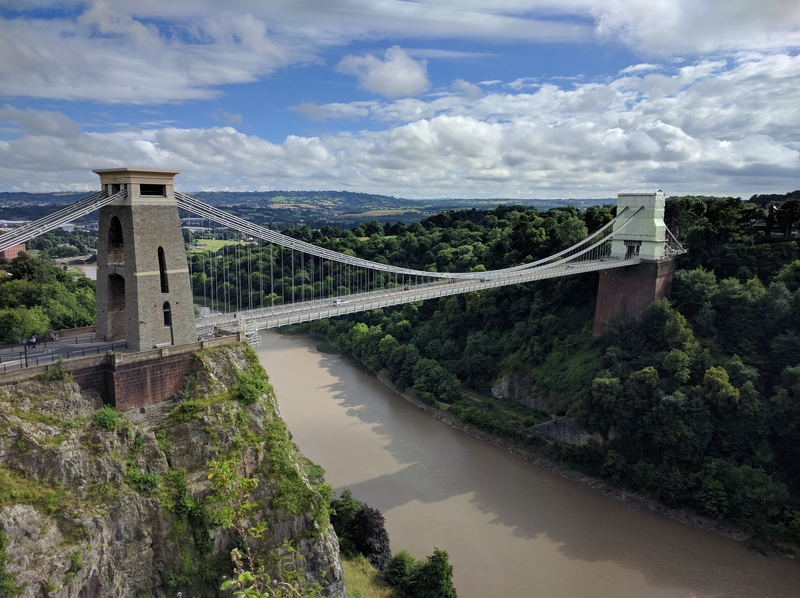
{"x": 467, "y": 89}
{"x": 523, "y": 83}
{"x": 638, "y": 68}
{"x": 395, "y": 76}
{"x": 334, "y": 111}
{"x": 38, "y": 122}
{"x": 724, "y": 127}
{"x": 669, "y": 27}
{"x": 152, "y": 51}
{"x": 110, "y": 57}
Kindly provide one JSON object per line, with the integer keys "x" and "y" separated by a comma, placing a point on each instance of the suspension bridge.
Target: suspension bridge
{"x": 147, "y": 292}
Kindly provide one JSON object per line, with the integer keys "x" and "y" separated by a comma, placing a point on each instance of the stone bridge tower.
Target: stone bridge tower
{"x": 143, "y": 287}
{"x": 623, "y": 294}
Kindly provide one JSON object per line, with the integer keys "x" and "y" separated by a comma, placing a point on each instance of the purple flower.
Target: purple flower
{"x": 179, "y": 594}
{"x": 274, "y": 582}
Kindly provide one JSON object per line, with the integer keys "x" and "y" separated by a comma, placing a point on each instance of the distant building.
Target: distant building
{"x": 12, "y": 252}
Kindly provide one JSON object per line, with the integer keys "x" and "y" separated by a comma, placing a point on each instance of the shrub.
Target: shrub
{"x": 342, "y": 511}
{"x": 107, "y": 418}
{"x": 185, "y": 411}
{"x": 368, "y": 533}
{"x": 58, "y": 372}
{"x": 144, "y": 483}
{"x": 431, "y": 579}
{"x": 8, "y": 588}
{"x": 399, "y": 567}
{"x": 250, "y": 386}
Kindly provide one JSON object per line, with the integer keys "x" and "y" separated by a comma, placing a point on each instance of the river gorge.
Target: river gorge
{"x": 510, "y": 527}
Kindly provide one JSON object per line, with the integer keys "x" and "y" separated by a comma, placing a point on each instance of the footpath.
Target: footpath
{"x": 18, "y": 356}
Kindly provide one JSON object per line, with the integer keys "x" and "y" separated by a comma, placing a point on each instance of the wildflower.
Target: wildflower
{"x": 274, "y": 582}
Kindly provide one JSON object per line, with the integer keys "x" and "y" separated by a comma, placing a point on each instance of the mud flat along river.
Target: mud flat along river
{"x": 511, "y": 528}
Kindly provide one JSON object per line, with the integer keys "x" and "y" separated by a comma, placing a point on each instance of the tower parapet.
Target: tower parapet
{"x": 143, "y": 288}
{"x": 646, "y": 233}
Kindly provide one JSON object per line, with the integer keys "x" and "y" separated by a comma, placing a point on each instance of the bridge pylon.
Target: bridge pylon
{"x": 143, "y": 287}
{"x": 623, "y": 294}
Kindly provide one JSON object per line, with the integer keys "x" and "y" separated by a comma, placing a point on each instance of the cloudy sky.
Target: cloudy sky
{"x": 419, "y": 99}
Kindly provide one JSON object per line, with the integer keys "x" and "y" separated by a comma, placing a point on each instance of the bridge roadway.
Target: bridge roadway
{"x": 318, "y": 309}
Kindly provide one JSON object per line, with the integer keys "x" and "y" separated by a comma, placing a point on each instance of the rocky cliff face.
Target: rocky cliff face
{"x": 561, "y": 429}
{"x": 95, "y": 505}
{"x": 521, "y": 390}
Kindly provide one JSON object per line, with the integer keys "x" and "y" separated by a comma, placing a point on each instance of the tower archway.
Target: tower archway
{"x": 116, "y": 242}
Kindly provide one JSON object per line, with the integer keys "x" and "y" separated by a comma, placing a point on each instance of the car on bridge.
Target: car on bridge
{"x": 340, "y": 302}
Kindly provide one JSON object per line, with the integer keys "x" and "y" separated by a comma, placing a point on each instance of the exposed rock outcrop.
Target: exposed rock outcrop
{"x": 562, "y": 429}
{"x": 522, "y": 391}
{"x": 123, "y": 508}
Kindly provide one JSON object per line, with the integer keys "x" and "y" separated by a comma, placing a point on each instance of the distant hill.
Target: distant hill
{"x": 281, "y": 209}
{"x": 774, "y": 198}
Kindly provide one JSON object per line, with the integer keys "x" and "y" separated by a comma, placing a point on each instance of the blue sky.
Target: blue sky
{"x": 420, "y": 99}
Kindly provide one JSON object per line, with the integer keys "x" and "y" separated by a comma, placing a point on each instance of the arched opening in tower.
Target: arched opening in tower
{"x": 167, "y": 313}
{"x": 162, "y": 270}
{"x": 116, "y": 247}
{"x": 116, "y": 306}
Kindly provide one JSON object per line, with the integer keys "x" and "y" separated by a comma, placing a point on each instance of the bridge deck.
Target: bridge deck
{"x": 318, "y": 309}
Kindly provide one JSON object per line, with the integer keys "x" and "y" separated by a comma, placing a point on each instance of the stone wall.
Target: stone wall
{"x": 129, "y": 380}
{"x": 144, "y": 383}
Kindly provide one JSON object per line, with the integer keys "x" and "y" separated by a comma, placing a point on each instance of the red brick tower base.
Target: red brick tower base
{"x": 623, "y": 294}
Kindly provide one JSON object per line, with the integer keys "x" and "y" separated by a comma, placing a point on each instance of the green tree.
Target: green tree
{"x": 431, "y": 579}
{"x": 19, "y": 324}
{"x": 342, "y": 511}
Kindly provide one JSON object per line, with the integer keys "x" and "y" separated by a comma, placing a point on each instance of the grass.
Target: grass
{"x": 189, "y": 410}
{"x": 213, "y": 244}
{"x": 15, "y": 489}
{"x": 362, "y": 580}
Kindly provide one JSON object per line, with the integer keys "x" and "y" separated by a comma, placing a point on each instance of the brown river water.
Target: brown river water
{"x": 511, "y": 528}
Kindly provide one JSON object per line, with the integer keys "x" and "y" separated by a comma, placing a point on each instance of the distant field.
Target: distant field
{"x": 213, "y": 245}
{"x": 378, "y": 213}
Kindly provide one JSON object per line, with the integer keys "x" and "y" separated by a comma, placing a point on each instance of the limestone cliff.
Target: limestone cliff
{"x": 562, "y": 429}
{"x": 96, "y": 504}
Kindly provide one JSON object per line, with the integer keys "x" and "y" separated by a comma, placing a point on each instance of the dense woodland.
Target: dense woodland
{"x": 36, "y": 296}
{"x": 698, "y": 404}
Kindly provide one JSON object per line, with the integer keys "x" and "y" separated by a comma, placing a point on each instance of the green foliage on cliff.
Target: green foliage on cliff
{"x": 250, "y": 386}
{"x": 8, "y": 587}
{"x": 18, "y": 489}
{"x": 106, "y": 418}
{"x": 117, "y": 468}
